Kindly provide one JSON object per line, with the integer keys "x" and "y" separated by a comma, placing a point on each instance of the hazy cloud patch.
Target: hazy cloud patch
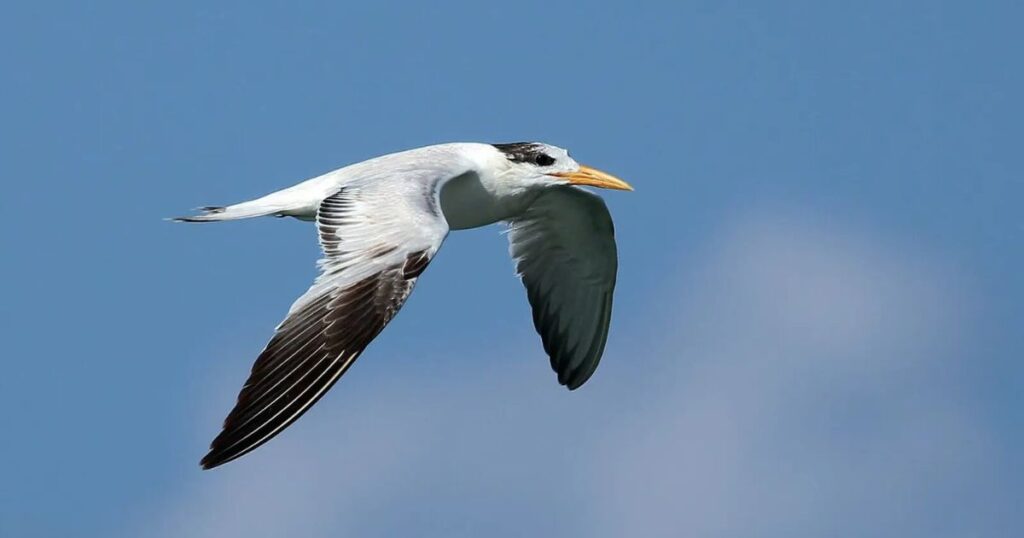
{"x": 803, "y": 387}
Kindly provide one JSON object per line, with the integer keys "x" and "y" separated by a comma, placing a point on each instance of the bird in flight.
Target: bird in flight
{"x": 381, "y": 221}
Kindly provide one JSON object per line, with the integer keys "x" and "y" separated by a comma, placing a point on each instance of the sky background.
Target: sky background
{"x": 818, "y": 325}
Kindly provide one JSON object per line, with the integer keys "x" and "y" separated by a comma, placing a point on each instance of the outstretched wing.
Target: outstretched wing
{"x": 377, "y": 238}
{"x": 564, "y": 248}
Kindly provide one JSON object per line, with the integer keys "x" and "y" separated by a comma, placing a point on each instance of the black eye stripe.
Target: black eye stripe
{"x": 526, "y": 152}
{"x": 544, "y": 160}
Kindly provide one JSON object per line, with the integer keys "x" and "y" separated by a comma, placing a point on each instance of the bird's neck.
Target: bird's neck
{"x": 471, "y": 201}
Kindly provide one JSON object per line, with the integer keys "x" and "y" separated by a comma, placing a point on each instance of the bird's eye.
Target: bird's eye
{"x": 543, "y": 159}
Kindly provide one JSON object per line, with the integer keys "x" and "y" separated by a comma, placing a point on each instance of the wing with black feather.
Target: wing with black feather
{"x": 564, "y": 248}
{"x": 377, "y": 238}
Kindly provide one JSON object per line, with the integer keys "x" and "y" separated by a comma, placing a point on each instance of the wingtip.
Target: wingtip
{"x": 572, "y": 386}
{"x": 574, "y": 379}
{"x": 208, "y": 462}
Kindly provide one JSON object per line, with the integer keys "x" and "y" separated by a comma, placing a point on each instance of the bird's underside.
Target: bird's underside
{"x": 378, "y": 232}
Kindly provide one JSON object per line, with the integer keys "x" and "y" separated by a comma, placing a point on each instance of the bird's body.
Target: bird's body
{"x": 470, "y": 197}
{"x": 381, "y": 221}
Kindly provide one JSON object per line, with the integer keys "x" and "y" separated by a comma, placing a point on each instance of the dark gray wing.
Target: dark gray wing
{"x": 377, "y": 239}
{"x": 564, "y": 248}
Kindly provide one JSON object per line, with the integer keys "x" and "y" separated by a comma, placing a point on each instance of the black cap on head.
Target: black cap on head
{"x": 526, "y": 152}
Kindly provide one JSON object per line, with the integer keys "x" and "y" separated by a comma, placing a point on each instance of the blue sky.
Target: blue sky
{"x": 818, "y": 317}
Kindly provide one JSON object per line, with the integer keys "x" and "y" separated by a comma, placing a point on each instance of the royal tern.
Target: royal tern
{"x": 381, "y": 221}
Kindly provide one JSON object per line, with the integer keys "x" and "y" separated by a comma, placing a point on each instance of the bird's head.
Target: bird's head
{"x": 533, "y": 164}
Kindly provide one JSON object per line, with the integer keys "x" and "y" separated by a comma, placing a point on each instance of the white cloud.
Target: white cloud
{"x": 816, "y": 400}
{"x": 803, "y": 384}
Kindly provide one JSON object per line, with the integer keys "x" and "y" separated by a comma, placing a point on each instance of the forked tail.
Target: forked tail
{"x": 244, "y": 210}
{"x": 300, "y": 202}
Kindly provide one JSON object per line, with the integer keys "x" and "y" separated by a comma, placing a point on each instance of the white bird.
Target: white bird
{"x": 381, "y": 221}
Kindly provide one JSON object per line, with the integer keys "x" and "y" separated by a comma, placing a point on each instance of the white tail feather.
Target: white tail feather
{"x": 300, "y": 201}
{"x": 244, "y": 210}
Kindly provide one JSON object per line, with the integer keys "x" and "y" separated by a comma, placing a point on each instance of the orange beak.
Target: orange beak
{"x": 593, "y": 177}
